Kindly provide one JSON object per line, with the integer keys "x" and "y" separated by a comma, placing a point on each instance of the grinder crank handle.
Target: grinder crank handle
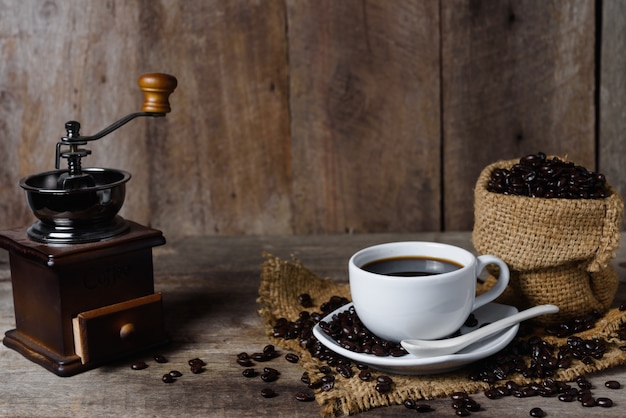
{"x": 156, "y": 87}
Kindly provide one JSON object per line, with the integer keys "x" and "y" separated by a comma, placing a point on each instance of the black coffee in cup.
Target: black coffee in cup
{"x": 411, "y": 266}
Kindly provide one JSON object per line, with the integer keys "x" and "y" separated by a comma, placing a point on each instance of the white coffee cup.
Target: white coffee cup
{"x": 420, "y": 306}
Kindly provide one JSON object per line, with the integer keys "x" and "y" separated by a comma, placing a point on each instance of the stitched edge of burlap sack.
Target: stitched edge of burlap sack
{"x": 282, "y": 282}
{"x": 530, "y": 233}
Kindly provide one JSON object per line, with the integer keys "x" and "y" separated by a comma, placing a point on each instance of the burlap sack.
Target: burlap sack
{"x": 558, "y": 249}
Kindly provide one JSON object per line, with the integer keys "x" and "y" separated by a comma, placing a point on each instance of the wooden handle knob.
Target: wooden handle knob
{"x": 127, "y": 331}
{"x": 157, "y": 88}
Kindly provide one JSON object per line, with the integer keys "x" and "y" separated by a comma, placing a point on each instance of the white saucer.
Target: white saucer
{"x": 411, "y": 365}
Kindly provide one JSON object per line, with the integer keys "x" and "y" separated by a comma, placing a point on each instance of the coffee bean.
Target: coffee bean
{"x": 197, "y": 369}
{"x": 459, "y": 395}
{"x": 328, "y": 386}
{"x": 196, "y": 361}
{"x": 196, "y": 365}
{"x": 328, "y": 378}
{"x": 383, "y": 387}
{"x": 250, "y": 373}
{"x": 175, "y": 373}
{"x": 138, "y": 365}
{"x": 305, "y": 300}
{"x": 492, "y": 394}
{"x": 292, "y": 358}
{"x": 269, "y": 375}
{"x": 305, "y": 378}
{"x": 409, "y": 404}
{"x": 317, "y": 384}
{"x": 260, "y": 357}
{"x": 384, "y": 379}
{"x": 588, "y": 401}
{"x": 422, "y": 407}
{"x": 269, "y": 350}
{"x": 304, "y": 397}
{"x": 604, "y": 402}
{"x": 537, "y": 412}
{"x": 622, "y": 307}
{"x": 345, "y": 371}
{"x": 472, "y": 406}
{"x": 325, "y": 370}
{"x": 268, "y": 393}
{"x": 244, "y": 362}
{"x": 471, "y": 321}
{"x": 613, "y": 384}
{"x": 365, "y": 375}
{"x": 167, "y": 378}
{"x": 160, "y": 359}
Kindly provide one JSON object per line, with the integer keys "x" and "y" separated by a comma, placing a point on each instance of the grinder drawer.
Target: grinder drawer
{"x": 115, "y": 330}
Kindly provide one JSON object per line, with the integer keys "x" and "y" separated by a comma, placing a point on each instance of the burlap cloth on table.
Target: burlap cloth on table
{"x": 283, "y": 281}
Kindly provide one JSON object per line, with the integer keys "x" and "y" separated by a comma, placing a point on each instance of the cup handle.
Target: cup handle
{"x": 503, "y": 279}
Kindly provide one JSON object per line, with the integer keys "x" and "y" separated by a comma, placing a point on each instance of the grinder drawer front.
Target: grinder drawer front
{"x": 105, "y": 333}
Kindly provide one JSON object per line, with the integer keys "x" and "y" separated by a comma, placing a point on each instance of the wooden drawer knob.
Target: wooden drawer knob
{"x": 127, "y": 331}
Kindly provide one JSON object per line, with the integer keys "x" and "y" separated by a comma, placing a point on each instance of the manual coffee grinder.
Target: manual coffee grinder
{"x": 82, "y": 276}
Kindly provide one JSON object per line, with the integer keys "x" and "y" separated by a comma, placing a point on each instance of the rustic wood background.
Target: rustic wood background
{"x": 311, "y": 116}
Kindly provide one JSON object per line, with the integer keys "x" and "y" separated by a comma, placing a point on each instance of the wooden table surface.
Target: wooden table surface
{"x": 210, "y": 286}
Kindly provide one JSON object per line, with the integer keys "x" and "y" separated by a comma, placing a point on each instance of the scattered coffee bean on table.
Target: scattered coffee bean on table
{"x": 419, "y": 407}
{"x": 537, "y": 412}
{"x": 304, "y": 397}
{"x": 463, "y": 404}
{"x": 409, "y": 404}
{"x": 270, "y": 374}
{"x": 613, "y": 384}
{"x": 175, "y": 373}
{"x": 422, "y": 407}
{"x": 197, "y": 365}
{"x": 249, "y": 373}
{"x": 168, "y": 378}
{"x": 160, "y": 359}
{"x": 268, "y": 393}
{"x": 604, "y": 402}
{"x": 196, "y": 362}
{"x": 138, "y": 365}
{"x": 245, "y": 362}
{"x": 305, "y": 378}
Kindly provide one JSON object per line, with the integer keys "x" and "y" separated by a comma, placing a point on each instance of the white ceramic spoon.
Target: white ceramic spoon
{"x": 433, "y": 348}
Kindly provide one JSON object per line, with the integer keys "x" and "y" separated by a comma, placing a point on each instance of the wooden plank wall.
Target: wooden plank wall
{"x": 311, "y": 116}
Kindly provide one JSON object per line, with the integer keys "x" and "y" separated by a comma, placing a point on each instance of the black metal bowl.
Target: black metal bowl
{"x": 76, "y": 215}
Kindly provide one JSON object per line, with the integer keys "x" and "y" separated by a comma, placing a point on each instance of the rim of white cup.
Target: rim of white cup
{"x": 471, "y": 258}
